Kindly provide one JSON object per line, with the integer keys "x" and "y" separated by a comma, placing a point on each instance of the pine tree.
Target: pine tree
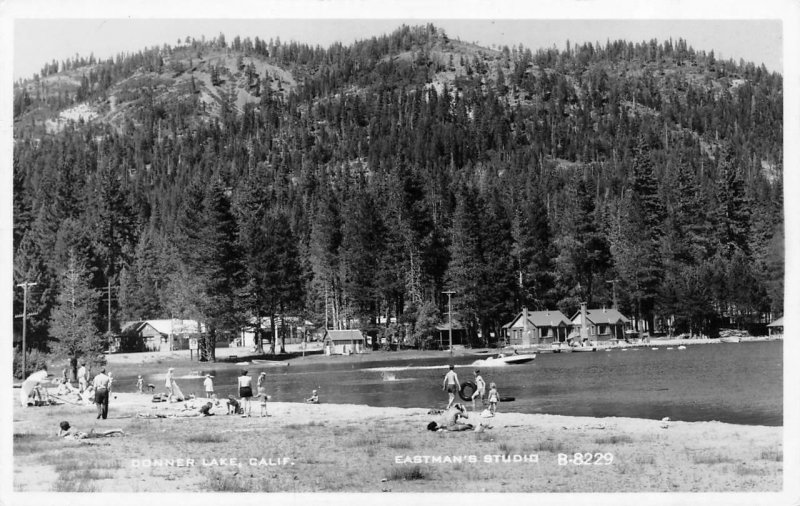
{"x": 73, "y": 319}
{"x": 210, "y": 252}
{"x": 281, "y": 272}
{"x": 637, "y": 257}
{"x": 465, "y": 270}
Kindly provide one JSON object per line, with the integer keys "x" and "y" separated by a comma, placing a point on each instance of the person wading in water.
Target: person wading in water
{"x": 451, "y": 385}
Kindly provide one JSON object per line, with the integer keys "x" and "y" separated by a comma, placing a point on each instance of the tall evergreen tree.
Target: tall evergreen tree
{"x": 465, "y": 270}
{"x": 73, "y": 322}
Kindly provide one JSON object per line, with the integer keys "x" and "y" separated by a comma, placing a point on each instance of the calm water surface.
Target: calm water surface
{"x": 736, "y": 383}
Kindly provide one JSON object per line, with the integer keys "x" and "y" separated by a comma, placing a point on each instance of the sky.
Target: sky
{"x": 38, "y": 41}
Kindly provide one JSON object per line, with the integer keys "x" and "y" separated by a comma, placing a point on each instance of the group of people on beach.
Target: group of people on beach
{"x": 97, "y": 392}
{"x": 238, "y": 405}
{"x": 452, "y": 386}
{"x": 454, "y": 415}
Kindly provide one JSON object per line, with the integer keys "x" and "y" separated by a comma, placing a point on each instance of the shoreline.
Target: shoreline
{"x": 358, "y": 448}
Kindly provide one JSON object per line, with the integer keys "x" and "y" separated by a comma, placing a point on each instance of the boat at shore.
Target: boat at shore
{"x": 566, "y": 348}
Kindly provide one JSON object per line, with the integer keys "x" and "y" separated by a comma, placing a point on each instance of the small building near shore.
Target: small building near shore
{"x": 156, "y": 335}
{"x": 537, "y": 327}
{"x": 601, "y": 324}
{"x": 459, "y": 334}
{"x": 343, "y": 342}
{"x": 776, "y": 327}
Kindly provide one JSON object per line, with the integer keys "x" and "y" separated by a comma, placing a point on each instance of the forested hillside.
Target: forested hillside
{"x": 222, "y": 180}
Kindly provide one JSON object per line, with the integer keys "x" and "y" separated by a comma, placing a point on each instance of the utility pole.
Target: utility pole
{"x": 450, "y": 318}
{"x": 25, "y": 287}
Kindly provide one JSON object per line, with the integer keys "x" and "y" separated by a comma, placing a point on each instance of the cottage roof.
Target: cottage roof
{"x": 777, "y": 323}
{"x": 598, "y": 316}
{"x": 344, "y": 335}
{"x": 554, "y": 318}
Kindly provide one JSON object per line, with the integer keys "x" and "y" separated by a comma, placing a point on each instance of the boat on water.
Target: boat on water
{"x": 510, "y": 359}
{"x": 730, "y": 339}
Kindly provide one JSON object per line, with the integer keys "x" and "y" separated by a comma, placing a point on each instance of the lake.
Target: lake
{"x": 736, "y": 383}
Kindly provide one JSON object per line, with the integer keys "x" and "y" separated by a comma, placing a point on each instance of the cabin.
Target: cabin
{"x": 601, "y": 324}
{"x": 155, "y": 335}
{"x": 459, "y": 335}
{"x": 293, "y": 328}
{"x": 776, "y": 327}
{"x": 537, "y": 327}
{"x": 343, "y": 342}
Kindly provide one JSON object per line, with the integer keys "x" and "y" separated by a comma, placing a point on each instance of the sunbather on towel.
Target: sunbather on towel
{"x": 68, "y": 432}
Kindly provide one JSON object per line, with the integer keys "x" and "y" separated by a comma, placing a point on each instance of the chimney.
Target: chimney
{"x": 525, "y": 336}
{"x": 584, "y": 329}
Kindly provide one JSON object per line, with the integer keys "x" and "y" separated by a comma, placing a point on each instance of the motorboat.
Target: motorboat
{"x": 509, "y": 359}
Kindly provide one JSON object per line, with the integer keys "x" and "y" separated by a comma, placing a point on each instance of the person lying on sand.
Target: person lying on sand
{"x": 205, "y": 410}
{"x": 68, "y": 432}
{"x": 450, "y": 420}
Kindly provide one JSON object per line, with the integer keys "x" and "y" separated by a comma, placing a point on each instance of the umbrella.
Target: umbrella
{"x": 29, "y": 384}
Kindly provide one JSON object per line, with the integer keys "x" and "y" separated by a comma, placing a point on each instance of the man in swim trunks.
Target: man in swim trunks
{"x": 451, "y": 385}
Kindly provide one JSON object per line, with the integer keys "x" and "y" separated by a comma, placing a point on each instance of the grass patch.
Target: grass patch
{"x": 745, "y": 470}
{"x": 218, "y": 482}
{"x": 85, "y": 475}
{"x": 408, "y": 473}
{"x": 298, "y": 426}
{"x": 365, "y": 441}
{"x": 400, "y": 444}
{"x": 26, "y": 444}
{"x": 66, "y": 484}
{"x": 776, "y": 455}
{"x": 506, "y": 449}
{"x": 645, "y": 459}
{"x": 712, "y": 458}
{"x": 205, "y": 437}
{"x": 484, "y": 437}
{"x": 547, "y": 445}
{"x": 613, "y": 440}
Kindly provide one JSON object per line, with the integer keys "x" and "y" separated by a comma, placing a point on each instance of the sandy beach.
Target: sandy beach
{"x": 353, "y": 448}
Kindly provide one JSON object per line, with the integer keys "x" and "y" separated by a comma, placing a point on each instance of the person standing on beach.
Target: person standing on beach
{"x": 82, "y": 380}
{"x": 494, "y": 398}
{"x": 168, "y": 381}
{"x": 262, "y": 392}
{"x": 451, "y": 385}
{"x": 102, "y": 388}
{"x": 139, "y": 384}
{"x": 245, "y": 391}
{"x": 480, "y": 388}
{"x": 208, "y": 384}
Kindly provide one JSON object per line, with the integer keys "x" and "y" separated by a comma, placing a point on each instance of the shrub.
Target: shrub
{"x": 408, "y": 473}
{"x": 35, "y": 360}
{"x": 506, "y": 449}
